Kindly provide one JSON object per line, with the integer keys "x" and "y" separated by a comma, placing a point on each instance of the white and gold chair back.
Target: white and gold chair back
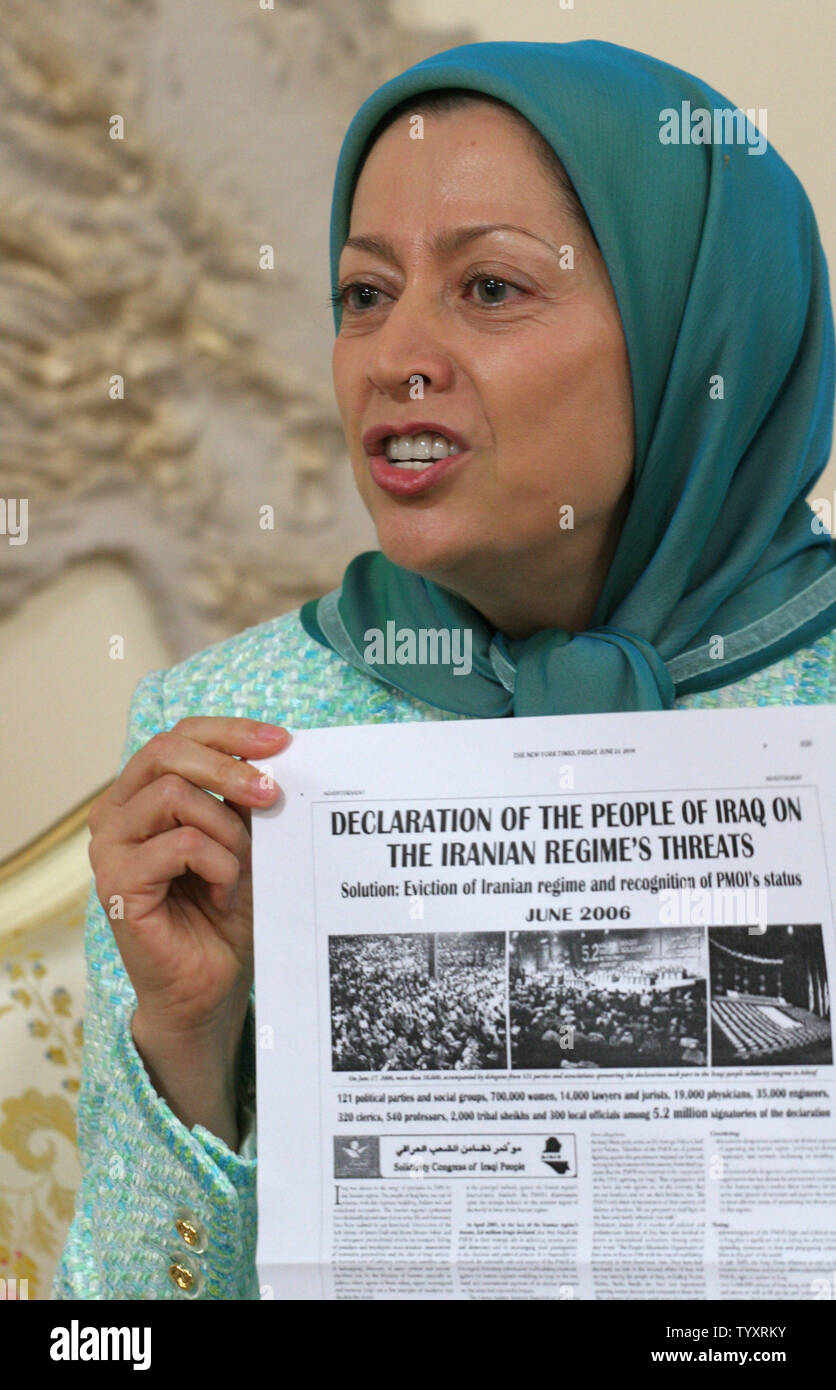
{"x": 43, "y": 896}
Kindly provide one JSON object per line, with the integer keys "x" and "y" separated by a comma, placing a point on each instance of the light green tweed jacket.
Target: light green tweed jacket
{"x": 144, "y": 1172}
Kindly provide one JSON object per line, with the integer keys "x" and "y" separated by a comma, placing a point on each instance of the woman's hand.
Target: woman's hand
{"x": 173, "y": 873}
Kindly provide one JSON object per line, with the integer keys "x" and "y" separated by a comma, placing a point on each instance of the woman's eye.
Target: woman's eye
{"x": 365, "y": 297}
{"x": 490, "y": 289}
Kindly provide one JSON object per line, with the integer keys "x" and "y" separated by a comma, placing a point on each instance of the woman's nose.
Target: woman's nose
{"x": 408, "y": 349}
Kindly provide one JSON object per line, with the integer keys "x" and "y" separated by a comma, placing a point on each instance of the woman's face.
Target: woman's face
{"x": 522, "y": 355}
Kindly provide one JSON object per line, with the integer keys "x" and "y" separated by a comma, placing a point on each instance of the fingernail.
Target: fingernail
{"x": 261, "y": 791}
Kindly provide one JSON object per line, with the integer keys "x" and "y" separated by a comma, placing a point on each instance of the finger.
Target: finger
{"x": 249, "y": 737}
{"x": 100, "y": 810}
{"x": 202, "y": 764}
{"x": 232, "y": 734}
{"x": 169, "y": 802}
{"x": 244, "y": 813}
{"x": 146, "y": 870}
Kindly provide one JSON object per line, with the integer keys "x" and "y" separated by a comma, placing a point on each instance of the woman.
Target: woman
{"x": 586, "y": 381}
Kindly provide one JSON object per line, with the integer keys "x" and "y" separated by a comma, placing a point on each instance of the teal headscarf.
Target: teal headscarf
{"x": 718, "y": 270}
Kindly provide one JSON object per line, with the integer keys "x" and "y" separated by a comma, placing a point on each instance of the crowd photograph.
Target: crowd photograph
{"x": 608, "y": 999}
{"x": 429, "y": 1001}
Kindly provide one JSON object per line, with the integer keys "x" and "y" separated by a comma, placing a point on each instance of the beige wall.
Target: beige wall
{"x": 65, "y": 695}
{"x": 62, "y": 696}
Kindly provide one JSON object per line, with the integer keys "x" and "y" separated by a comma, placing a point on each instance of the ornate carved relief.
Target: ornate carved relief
{"x": 137, "y": 259}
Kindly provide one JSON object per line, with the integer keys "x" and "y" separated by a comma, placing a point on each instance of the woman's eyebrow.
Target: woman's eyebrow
{"x": 445, "y": 242}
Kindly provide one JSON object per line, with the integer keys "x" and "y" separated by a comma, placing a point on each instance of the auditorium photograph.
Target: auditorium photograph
{"x": 608, "y": 998}
{"x": 770, "y": 997}
{"x": 418, "y": 1001}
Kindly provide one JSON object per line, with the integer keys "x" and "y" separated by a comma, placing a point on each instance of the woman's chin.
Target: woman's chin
{"x": 433, "y": 557}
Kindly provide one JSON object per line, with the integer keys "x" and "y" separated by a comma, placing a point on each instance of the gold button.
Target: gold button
{"x": 190, "y": 1229}
{"x": 181, "y": 1276}
{"x": 187, "y": 1230}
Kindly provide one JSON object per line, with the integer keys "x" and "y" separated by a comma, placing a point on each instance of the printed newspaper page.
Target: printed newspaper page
{"x": 543, "y": 1009}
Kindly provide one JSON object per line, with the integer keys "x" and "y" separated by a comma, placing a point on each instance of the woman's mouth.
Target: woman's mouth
{"x": 406, "y": 464}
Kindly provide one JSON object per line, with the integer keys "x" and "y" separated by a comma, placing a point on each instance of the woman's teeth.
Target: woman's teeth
{"x": 418, "y": 451}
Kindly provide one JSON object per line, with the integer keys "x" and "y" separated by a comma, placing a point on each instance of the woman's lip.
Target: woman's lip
{"x": 408, "y": 482}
